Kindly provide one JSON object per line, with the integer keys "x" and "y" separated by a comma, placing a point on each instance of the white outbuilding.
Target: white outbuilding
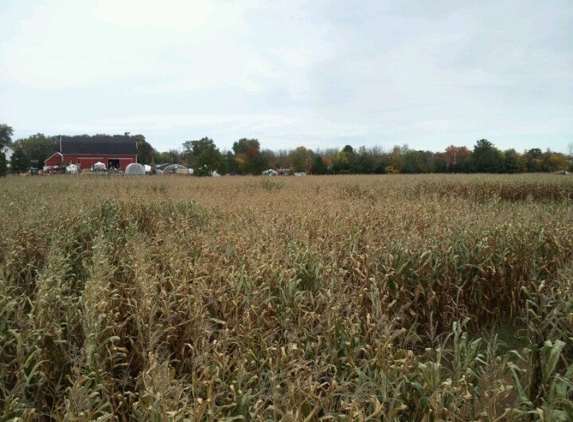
{"x": 135, "y": 169}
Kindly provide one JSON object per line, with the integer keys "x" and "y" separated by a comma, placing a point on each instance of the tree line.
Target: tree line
{"x": 247, "y": 157}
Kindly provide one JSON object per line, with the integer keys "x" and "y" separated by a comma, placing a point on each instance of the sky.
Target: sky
{"x": 316, "y": 73}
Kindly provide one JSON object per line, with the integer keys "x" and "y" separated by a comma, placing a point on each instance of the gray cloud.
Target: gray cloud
{"x": 320, "y": 74}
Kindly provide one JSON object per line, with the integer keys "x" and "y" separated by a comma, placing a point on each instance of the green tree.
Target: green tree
{"x": 19, "y": 161}
{"x": 300, "y": 159}
{"x": 362, "y": 162}
{"x": 411, "y": 162}
{"x": 3, "y": 165}
{"x": 145, "y": 152}
{"x": 348, "y": 149}
{"x": 341, "y": 163}
{"x": 38, "y": 148}
{"x": 512, "y": 164}
{"x": 318, "y": 165}
{"x": 198, "y": 147}
{"x": 383, "y": 160}
{"x": 534, "y": 159}
{"x": 398, "y": 158}
{"x": 486, "y": 158}
{"x": 173, "y": 156}
{"x": 259, "y": 164}
{"x": 555, "y": 161}
{"x": 6, "y": 133}
{"x": 270, "y": 159}
{"x": 162, "y": 157}
{"x": 440, "y": 165}
{"x": 204, "y": 157}
{"x": 248, "y": 156}
{"x": 415, "y": 162}
{"x": 232, "y": 165}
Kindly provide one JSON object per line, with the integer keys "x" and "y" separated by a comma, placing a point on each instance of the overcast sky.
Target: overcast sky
{"x": 316, "y": 73}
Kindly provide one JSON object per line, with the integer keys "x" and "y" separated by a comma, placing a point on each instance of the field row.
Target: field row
{"x": 316, "y": 298}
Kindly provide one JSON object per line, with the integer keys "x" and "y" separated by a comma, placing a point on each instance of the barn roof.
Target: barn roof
{"x": 96, "y": 145}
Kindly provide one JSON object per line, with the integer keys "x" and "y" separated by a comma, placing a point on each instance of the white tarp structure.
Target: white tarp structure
{"x": 174, "y": 169}
{"x": 135, "y": 169}
{"x": 99, "y": 166}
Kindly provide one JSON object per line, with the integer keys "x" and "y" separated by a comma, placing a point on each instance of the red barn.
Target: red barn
{"x": 114, "y": 151}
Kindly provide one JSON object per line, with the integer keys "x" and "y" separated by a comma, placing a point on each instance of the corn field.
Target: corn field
{"x": 348, "y": 298}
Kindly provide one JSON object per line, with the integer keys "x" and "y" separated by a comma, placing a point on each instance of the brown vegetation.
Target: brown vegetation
{"x": 318, "y": 298}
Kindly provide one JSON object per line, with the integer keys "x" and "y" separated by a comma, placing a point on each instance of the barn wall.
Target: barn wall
{"x": 54, "y": 160}
{"x": 124, "y": 162}
{"x": 87, "y": 162}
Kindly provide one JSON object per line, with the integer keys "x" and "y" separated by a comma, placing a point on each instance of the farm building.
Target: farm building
{"x": 116, "y": 152}
{"x": 169, "y": 168}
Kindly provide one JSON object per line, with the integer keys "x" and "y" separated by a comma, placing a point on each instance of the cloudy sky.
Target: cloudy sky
{"x": 317, "y": 73}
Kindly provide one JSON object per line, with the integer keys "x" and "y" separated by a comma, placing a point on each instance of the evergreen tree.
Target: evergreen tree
{"x": 3, "y": 165}
{"x": 319, "y": 166}
{"x": 486, "y": 158}
{"x": 533, "y": 158}
{"x": 512, "y": 161}
{"x": 19, "y": 161}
